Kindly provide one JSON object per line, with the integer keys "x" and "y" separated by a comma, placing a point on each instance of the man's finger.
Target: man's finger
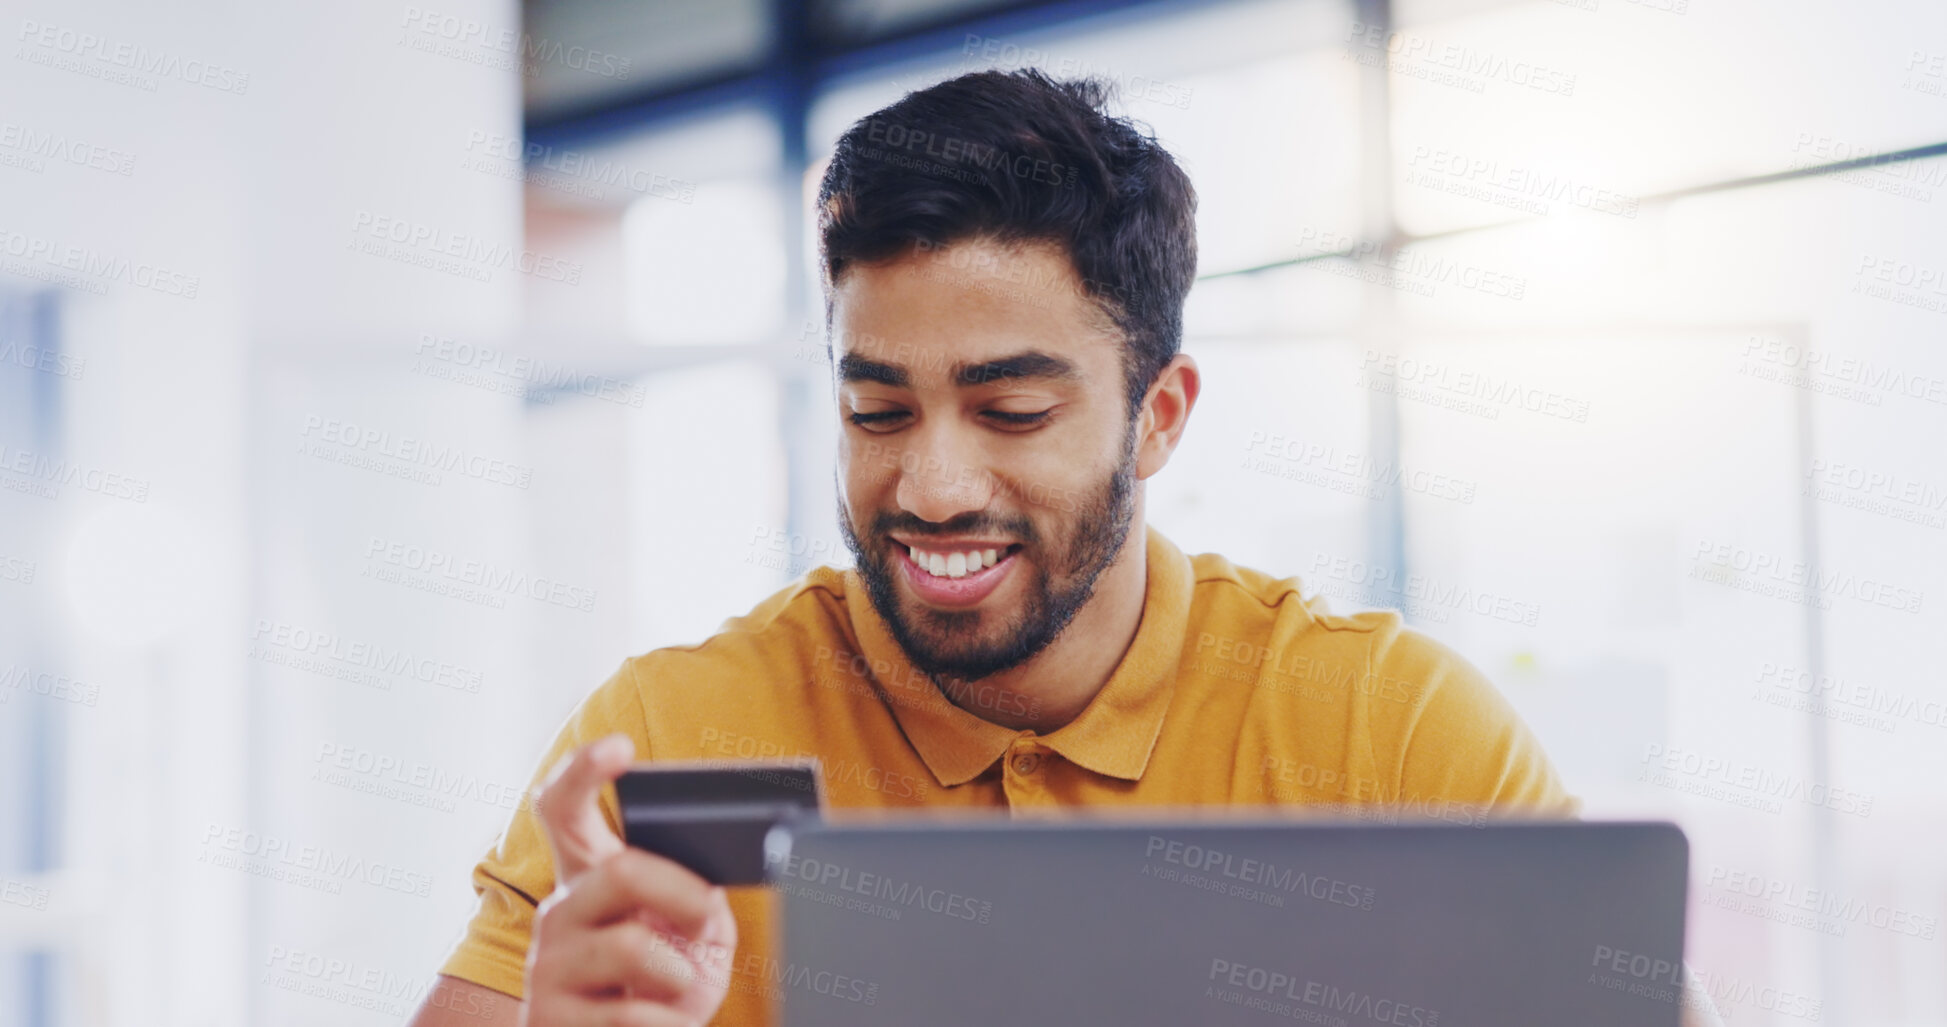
{"x": 632, "y": 881}
{"x": 613, "y": 1012}
{"x": 570, "y": 805}
{"x": 633, "y": 956}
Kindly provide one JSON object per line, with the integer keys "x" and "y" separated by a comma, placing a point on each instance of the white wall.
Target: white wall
{"x": 257, "y": 194}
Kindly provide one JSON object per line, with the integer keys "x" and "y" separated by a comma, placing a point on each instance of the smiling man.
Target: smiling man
{"x": 991, "y": 465}
{"x": 1006, "y": 267}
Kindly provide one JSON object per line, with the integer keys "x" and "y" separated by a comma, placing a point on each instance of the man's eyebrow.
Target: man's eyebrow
{"x": 855, "y": 368}
{"x": 1031, "y": 364}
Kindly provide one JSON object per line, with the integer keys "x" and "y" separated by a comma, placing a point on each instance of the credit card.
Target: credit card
{"x": 712, "y": 817}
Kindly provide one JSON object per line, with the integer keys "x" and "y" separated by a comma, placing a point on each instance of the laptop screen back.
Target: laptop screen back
{"x": 1238, "y": 923}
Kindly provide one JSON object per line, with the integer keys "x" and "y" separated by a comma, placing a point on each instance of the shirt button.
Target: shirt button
{"x": 1027, "y": 763}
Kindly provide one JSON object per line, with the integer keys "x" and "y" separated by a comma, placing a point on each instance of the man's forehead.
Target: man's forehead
{"x": 925, "y": 310}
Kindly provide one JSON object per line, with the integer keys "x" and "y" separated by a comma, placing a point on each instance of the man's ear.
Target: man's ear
{"x": 1165, "y": 412}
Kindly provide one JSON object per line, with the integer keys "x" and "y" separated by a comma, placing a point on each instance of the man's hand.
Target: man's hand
{"x": 627, "y": 937}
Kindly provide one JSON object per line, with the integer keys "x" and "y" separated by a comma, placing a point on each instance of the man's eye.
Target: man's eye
{"x": 1018, "y": 420}
{"x": 883, "y": 420}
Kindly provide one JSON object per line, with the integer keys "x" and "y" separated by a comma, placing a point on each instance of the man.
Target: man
{"x": 1005, "y": 272}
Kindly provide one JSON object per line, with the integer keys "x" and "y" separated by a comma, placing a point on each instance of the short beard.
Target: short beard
{"x": 945, "y": 648}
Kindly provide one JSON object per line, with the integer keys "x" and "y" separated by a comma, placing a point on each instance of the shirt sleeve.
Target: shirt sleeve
{"x": 1452, "y": 740}
{"x": 518, "y": 872}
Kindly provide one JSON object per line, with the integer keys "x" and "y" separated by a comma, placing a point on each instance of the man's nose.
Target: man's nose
{"x": 941, "y": 479}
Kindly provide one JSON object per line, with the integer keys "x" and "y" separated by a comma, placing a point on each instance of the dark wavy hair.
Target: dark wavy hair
{"x": 1020, "y": 157}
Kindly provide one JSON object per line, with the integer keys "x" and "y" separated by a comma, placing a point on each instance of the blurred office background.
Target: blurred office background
{"x": 1601, "y": 336}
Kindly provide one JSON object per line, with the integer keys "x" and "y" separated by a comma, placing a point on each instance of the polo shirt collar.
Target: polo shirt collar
{"x": 1114, "y": 735}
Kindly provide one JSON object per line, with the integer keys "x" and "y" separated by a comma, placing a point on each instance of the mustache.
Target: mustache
{"x": 970, "y": 523}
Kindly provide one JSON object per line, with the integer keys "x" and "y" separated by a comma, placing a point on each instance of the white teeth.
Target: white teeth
{"x": 953, "y": 565}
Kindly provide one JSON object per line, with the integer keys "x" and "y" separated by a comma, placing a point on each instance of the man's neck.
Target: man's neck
{"x": 1060, "y": 682}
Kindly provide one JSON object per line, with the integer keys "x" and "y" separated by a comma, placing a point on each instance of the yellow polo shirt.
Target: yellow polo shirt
{"x": 1235, "y": 691}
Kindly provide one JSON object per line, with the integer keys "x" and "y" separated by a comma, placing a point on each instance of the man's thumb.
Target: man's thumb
{"x": 570, "y": 805}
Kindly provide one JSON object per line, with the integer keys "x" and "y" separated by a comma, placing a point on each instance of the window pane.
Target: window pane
{"x": 707, "y": 476}
{"x": 1523, "y": 107}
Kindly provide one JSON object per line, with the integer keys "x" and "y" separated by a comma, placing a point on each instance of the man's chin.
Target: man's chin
{"x": 948, "y": 629}
{"x": 964, "y": 642}
{"x": 954, "y": 643}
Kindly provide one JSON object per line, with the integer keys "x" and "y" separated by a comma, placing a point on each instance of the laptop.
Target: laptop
{"x": 1190, "y": 922}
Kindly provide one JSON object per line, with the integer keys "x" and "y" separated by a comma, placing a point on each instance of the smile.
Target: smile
{"x": 959, "y": 575}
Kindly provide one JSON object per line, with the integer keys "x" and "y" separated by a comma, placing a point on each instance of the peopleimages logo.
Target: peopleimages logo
{"x": 477, "y": 576}
{"x": 1258, "y": 872}
{"x": 20, "y": 678}
{"x": 573, "y": 170}
{"x": 410, "y": 454}
{"x": 1788, "y": 902}
{"x": 1317, "y": 463}
{"x": 311, "y": 866}
{"x": 1637, "y": 965}
{"x": 43, "y": 475}
{"x": 1305, "y": 997}
{"x": 981, "y": 52}
{"x": 1449, "y": 64}
{"x": 20, "y": 893}
{"x": 349, "y": 766}
{"x": 120, "y": 61}
{"x": 450, "y": 35}
{"x": 1827, "y": 693}
{"x": 330, "y": 647}
{"x": 17, "y": 569}
{"x": 531, "y": 378}
{"x": 33, "y": 149}
{"x": 894, "y": 137}
{"x": 715, "y": 742}
{"x": 1522, "y": 188}
{"x": 1770, "y": 574}
{"x": 885, "y": 895}
{"x": 1493, "y": 393}
{"x": 1838, "y": 374}
{"x": 44, "y": 359}
{"x": 1636, "y": 973}
{"x": 372, "y": 988}
{"x": 1741, "y": 783}
{"x": 1423, "y": 596}
{"x": 456, "y": 253}
{"x": 87, "y": 268}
